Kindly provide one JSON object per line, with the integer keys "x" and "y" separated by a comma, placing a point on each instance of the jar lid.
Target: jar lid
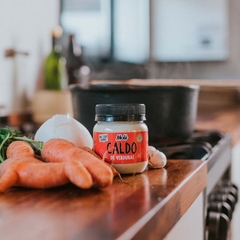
{"x": 120, "y": 112}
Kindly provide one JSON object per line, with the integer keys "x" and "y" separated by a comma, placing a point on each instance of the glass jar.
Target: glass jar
{"x": 121, "y": 136}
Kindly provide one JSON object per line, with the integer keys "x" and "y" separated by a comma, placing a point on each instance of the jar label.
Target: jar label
{"x": 121, "y": 147}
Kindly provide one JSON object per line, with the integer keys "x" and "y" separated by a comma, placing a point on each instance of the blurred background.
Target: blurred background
{"x": 120, "y": 39}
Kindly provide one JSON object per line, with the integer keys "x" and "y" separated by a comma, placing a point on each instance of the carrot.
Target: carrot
{"x": 27, "y": 171}
{"x": 90, "y": 151}
{"x": 19, "y": 149}
{"x": 114, "y": 171}
{"x": 8, "y": 135}
{"x": 61, "y": 150}
{"x": 32, "y": 173}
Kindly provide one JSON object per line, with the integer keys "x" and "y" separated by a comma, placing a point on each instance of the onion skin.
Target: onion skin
{"x": 66, "y": 127}
{"x": 156, "y": 159}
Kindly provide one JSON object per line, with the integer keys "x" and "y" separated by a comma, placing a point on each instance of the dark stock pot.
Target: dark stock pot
{"x": 171, "y": 111}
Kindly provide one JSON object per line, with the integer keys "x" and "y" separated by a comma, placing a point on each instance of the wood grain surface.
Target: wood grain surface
{"x": 139, "y": 207}
{"x": 225, "y": 120}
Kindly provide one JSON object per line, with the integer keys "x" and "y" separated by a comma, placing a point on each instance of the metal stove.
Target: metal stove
{"x": 221, "y": 195}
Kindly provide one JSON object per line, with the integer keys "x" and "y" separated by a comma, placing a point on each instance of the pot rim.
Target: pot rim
{"x": 109, "y": 86}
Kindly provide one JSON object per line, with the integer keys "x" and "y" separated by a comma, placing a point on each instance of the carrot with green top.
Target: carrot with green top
{"x": 9, "y": 135}
{"x": 24, "y": 170}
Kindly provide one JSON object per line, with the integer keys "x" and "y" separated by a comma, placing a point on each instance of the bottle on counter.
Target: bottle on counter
{"x": 77, "y": 69}
{"x": 55, "y": 77}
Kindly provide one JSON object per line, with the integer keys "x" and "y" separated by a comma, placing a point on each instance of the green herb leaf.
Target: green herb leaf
{"x": 8, "y": 135}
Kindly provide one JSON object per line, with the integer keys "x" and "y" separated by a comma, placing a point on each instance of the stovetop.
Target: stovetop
{"x": 202, "y": 145}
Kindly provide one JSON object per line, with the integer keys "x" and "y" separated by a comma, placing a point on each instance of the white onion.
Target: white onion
{"x": 66, "y": 127}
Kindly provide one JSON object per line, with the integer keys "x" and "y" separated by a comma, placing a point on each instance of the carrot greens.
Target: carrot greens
{"x": 8, "y": 135}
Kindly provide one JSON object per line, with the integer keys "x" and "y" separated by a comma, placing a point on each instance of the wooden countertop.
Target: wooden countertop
{"x": 133, "y": 209}
{"x": 184, "y": 82}
{"x": 224, "y": 119}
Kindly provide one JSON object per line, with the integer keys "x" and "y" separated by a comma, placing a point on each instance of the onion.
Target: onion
{"x": 66, "y": 127}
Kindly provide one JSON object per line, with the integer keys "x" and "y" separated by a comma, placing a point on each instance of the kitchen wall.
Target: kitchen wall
{"x": 229, "y": 69}
{"x": 25, "y": 25}
{"x": 128, "y": 47}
